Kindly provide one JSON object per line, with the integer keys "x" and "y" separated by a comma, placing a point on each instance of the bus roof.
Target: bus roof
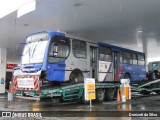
{"x": 87, "y": 40}
{"x": 118, "y": 48}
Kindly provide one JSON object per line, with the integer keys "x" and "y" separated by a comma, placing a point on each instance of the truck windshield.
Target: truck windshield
{"x": 58, "y": 50}
{"x": 34, "y": 50}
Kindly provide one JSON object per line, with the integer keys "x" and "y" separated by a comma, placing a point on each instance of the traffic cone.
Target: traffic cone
{"x": 118, "y": 95}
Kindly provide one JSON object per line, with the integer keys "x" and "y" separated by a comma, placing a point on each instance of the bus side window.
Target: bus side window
{"x": 105, "y": 54}
{"x": 127, "y": 59}
{"x": 51, "y": 50}
{"x": 134, "y": 57}
{"x": 141, "y": 60}
{"x": 79, "y": 48}
{"x": 58, "y": 51}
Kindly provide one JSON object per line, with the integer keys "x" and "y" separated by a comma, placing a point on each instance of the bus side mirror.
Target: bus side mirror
{"x": 20, "y": 47}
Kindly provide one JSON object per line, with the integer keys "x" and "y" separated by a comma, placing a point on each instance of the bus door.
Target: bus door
{"x": 93, "y": 61}
{"x": 116, "y": 64}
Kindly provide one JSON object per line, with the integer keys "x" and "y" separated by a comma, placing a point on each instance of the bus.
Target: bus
{"x": 54, "y": 57}
{"x": 122, "y": 63}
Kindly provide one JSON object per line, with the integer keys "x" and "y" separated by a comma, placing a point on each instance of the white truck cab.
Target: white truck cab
{"x": 154, "y": 69}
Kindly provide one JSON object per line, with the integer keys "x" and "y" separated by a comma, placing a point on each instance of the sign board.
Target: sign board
{"x": 2, "y": 81}
{"x": 10, "y": 67}
{"x": 89, "y": 86}
{"x": 125, "y": 81}
{"x": 2, "y": 85}
{"x": 25, "y": 82}
{"x": 105, "y": 66}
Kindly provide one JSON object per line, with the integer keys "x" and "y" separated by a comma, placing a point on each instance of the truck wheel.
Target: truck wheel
{"x": 157, "y": 92}
{"x": 100, "y": 95}
{"x": 152, "y": 76}
{"x": 82, "y": 100}
{"x": 110, "y": 94}
{"x": 156, "y": 85}
{"x": 61, "y": 100}
{"x": 145, "y": 92}
{"x": 76, "y": 76}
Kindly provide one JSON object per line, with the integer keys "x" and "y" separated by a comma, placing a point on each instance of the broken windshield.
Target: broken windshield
{"x": 34, "y": 52}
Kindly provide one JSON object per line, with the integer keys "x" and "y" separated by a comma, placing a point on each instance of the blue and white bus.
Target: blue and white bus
{"x": 121, "y": 63}
{"x": 55, "y": 57}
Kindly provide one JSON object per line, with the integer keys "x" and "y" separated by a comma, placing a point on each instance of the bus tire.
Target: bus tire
{"x": 110, "y": 94}
{"x": 76, "y": 76}
{"x": 100, "y": 95}
{"x": 127, "y": 76}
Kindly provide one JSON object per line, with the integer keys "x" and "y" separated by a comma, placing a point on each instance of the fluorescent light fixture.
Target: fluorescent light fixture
{"x": 9, "y": 6}
{"x": 139, "y": 31}
{"x": 29, "y": 7}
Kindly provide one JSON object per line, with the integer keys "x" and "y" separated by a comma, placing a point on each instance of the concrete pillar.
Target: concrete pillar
{"x": 144, "y": 43}
{"x": 3, "y": 54}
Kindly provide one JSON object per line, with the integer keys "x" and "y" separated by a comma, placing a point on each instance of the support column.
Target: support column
{"x": 144, "y": 42}
{"x": 3, "y": 54}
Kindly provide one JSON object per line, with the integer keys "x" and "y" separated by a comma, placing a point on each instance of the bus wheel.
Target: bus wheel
{"x": 76, "y": 76}
{"x": 100, "y": 95}
{"x": 127, "y": 76}
{"x": 110, "y": 94}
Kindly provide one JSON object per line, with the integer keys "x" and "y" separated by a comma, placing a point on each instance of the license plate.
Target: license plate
{"x": 25, "y": 82}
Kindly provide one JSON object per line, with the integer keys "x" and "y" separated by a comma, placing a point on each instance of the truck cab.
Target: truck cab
{"x": 154, "y": 70}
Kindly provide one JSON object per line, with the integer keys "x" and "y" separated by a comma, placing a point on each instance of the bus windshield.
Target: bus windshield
{"x": 34, "y": 50}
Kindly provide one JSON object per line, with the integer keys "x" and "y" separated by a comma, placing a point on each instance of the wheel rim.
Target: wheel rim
{"x": 101, "y": 95}
{"x": 76, "y": 77}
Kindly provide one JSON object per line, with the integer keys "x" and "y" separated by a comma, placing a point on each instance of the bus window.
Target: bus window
{"x": 58, "y": 51}
{"x": 79, "y": 48}
{"x": 140, "y": 57}
{"x": 134, "y": 57}
{"x": 141, "y": 60}
{"x": 105, "y": 54}
{"x": 127, "y": 59}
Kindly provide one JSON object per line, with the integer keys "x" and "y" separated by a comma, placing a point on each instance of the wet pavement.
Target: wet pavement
{"x": 139, "y": 104}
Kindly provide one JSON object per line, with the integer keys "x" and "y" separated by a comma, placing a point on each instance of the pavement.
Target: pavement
{"x": 136, "y": 109}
